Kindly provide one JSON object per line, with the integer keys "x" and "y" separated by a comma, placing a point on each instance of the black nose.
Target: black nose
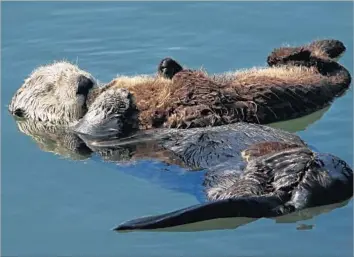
{"x": 168, "y": 68}
{"x": 84, "y": 85}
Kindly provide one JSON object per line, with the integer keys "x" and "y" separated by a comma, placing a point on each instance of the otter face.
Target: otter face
{"x": 168, "y": 68}
{"x": 54, "y": 93}
{"x": 113, "y": 113}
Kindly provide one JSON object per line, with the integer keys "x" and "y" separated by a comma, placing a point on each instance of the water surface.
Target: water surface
{"x": 53, "y": 206}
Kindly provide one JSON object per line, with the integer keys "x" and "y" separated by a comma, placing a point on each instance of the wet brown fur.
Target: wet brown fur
{"x": 258, "y": 95}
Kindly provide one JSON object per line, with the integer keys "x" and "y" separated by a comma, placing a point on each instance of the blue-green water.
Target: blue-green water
{"x": 52, "y": 206}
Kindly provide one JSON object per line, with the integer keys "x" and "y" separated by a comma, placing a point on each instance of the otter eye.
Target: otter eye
{"x": 84, "y": 85}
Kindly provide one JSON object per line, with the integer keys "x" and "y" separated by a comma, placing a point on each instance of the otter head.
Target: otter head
{"x": 112, "y": 113}
{"x": 54, "y": 93}
{"x": 168, "y": 68}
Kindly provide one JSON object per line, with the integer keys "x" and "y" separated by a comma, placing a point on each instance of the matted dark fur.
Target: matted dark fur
{"x": 251, "y": 171}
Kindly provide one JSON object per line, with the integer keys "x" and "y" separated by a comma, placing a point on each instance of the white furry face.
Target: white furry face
{"x": 112, "y": 113}
{"x": 55, "y": 93}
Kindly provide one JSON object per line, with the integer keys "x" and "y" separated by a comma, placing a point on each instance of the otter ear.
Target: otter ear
{"x": 84, "y": 85}
{"x": 168, "y": 68}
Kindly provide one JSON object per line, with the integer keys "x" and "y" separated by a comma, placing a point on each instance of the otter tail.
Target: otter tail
{"x": 248, "y": 207}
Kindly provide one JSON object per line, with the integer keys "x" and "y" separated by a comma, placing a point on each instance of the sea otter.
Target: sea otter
{"x": 55, "y": 93}
{"x": 195, "y": 99}
{"x": 250, "y": 170}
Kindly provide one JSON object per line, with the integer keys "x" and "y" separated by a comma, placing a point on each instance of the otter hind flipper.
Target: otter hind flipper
{"x": 248, "y": 207}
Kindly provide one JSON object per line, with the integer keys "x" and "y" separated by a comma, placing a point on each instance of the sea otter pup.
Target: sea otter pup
{"x": 195, "y": 99}
{"x": 250, "y": 170}
{"x": 55, "y": 93}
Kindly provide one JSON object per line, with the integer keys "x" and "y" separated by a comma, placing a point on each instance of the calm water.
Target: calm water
{"x": 53, "y": 206}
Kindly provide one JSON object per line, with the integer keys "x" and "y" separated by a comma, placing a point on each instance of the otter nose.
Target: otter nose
{"x": 84, "y": 85}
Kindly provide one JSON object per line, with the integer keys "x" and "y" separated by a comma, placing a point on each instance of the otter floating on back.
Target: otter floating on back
{"x": 252, "y": 171}
{"x": 300, "y": 84}
{"x": 55, "y": 94}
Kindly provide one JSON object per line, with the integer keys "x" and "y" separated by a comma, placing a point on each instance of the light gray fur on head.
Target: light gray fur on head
{"x": 49, "y": 94}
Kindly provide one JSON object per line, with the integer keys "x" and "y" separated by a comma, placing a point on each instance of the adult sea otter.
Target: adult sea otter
{"x": 299, "y": 84}
{"x": 250, "y": 170}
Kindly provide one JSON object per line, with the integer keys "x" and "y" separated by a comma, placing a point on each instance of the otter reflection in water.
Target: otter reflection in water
{"x": 252, "y": 171}
{"x": 54, "y": 139}
{"x": 218, "y": 158}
